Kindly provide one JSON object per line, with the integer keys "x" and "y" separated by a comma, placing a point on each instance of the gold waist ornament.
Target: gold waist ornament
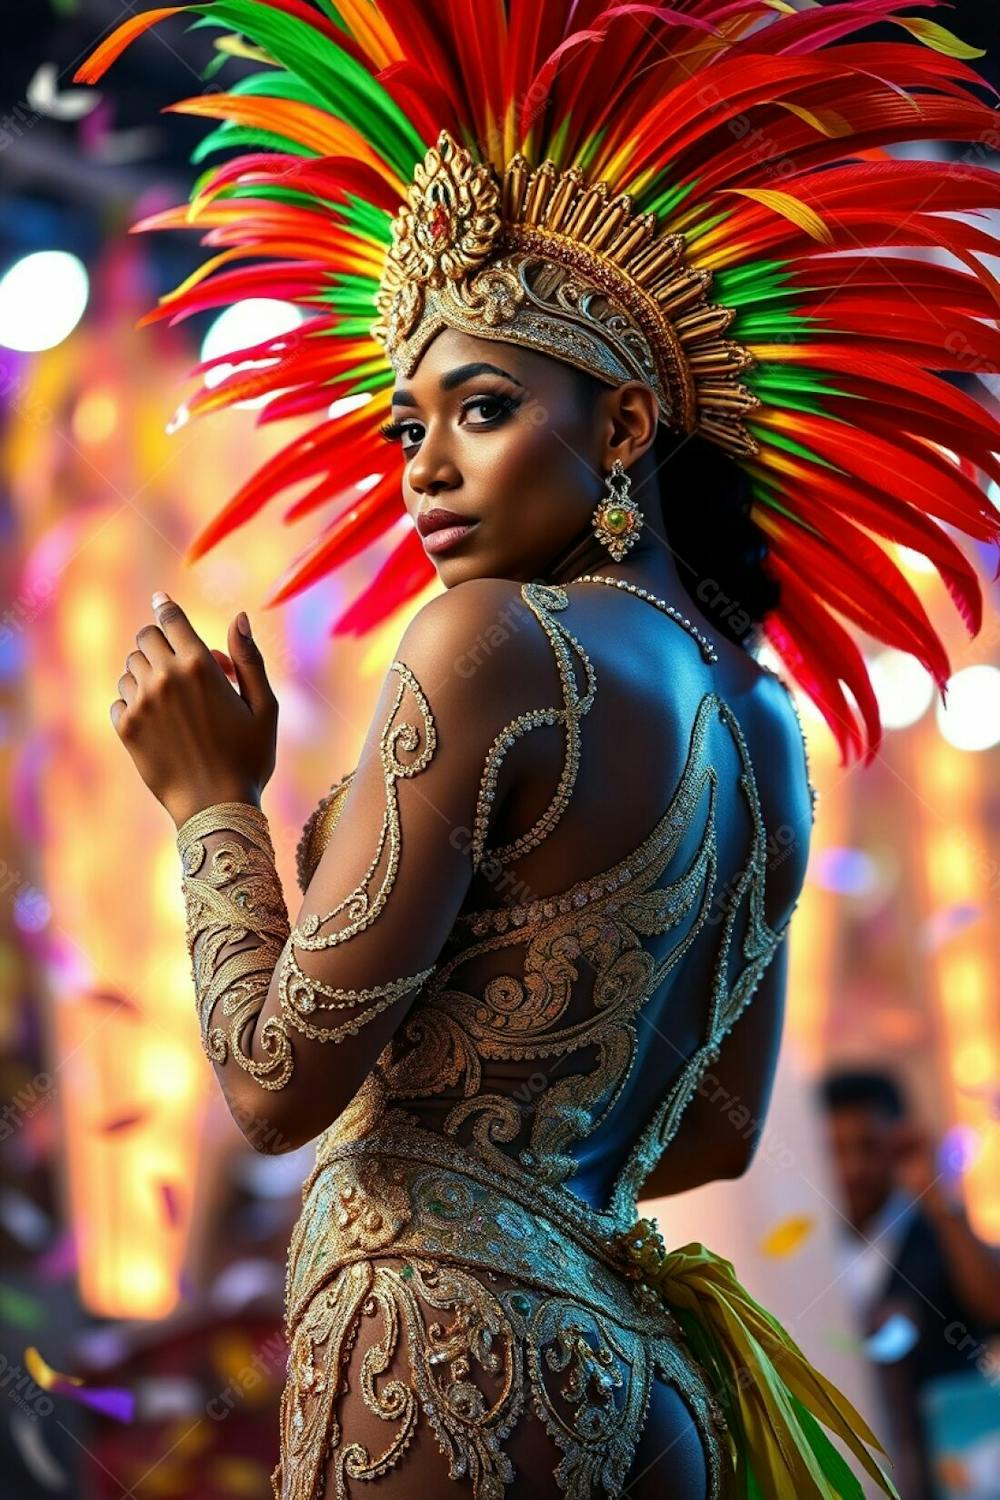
{"x": 758, "y": 1400}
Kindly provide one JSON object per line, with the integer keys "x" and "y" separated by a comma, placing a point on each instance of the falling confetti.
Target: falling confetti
{"x": 122, "y": 1122}
{"x": 893, "y": 1340}
{"x": 945, "y": 922}
{"x": 113, "y": 1401}
{"x": 29, "y": 1440}
{"x": 785, "y": 1238}
{"x": 170, "y": 1199}
{"x": 117, "y": 1001}
{"x": 20, "y": 1308}
{"x": 46, "y": 98}
{"x": 958, "y": 1150}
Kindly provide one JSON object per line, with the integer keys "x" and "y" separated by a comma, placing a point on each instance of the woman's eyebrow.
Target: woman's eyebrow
{"x": 456, "y": 377}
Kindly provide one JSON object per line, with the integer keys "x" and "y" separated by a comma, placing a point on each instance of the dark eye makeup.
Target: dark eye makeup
{"x": 505, "y": 405}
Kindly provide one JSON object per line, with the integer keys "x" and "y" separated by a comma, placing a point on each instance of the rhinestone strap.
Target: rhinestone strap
{"x": 708, "y": 651}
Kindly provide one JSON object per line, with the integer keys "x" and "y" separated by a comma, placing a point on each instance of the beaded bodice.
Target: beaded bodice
{"x": 530, "y": 1045}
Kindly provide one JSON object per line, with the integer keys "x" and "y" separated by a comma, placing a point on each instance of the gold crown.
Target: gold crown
{"x": 547, "y": 260}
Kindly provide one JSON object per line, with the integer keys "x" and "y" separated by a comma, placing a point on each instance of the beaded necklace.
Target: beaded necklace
{"x": 708, "y": 651}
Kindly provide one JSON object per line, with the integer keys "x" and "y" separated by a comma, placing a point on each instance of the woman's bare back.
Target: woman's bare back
{"x": 654, "y": 725}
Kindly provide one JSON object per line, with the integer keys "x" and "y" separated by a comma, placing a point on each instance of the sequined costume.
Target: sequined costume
{"x": 443, "y": 1265}
{"x": 697, "y": 196}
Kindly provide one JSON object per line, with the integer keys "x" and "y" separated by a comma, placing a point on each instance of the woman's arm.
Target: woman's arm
{"x": 384, "y": 895}
{"x": 721, "y": 1128}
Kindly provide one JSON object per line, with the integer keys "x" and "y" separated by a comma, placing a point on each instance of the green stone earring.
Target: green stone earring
{"x": 618, "y": 520}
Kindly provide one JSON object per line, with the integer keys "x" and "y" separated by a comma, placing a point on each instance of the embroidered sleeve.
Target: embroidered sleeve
{"x": 382, "y": 898}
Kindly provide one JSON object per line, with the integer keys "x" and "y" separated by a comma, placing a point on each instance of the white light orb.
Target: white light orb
{"x": 42, "y": 298}
{"x": 242, "y": 326}
{"x": 971, "y": 720}
{"x": 902, "y": 686}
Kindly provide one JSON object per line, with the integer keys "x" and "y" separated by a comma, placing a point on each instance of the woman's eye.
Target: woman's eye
{"x": 501, "y": 406}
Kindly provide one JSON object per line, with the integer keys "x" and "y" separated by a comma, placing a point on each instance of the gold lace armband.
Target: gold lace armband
{"x": 232, "y": 892}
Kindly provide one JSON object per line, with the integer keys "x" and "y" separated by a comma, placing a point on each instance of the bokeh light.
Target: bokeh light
{"x": 42, "y": 298}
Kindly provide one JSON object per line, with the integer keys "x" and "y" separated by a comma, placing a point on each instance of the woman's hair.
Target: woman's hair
{"x": 718, "y": 550}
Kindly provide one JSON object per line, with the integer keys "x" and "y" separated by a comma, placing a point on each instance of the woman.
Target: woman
{"x": 555, "y": 889}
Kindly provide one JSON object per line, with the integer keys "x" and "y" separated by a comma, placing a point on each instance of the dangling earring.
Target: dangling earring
{"x": 618, "y": 520}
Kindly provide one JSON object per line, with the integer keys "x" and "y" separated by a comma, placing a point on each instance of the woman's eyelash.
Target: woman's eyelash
{"x": 393, "y": 431}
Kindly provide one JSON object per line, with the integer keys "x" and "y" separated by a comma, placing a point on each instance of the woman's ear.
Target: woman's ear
{"x": 633, "y": 411}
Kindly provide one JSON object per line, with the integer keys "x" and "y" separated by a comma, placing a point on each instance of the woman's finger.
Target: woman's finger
{"x": 138, "y": 665}
{"x": 176, "y": 626}
{"x": 154, "y": 645}
{"x": 225, "y": 663}
{"x": 128, "y": 688}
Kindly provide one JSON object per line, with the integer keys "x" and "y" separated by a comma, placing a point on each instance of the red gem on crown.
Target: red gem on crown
{"x": 438, "y": 221}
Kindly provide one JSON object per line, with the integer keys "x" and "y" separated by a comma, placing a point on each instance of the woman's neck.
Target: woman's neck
{"x": 648, "y": 564}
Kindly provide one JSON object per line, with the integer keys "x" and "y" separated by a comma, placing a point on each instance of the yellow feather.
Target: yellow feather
{"x": 938, "y": 37}
{"x": 790, "y": 208}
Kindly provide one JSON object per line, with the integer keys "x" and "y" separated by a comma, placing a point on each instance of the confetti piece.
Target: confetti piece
{"x": 42, "y": 1372}
{"x": 243, "y": 1280}
{"x": 60, "y": 1259}
{"x": 22, "y": 1218}
{"x": 20, "y": 1308}
{"x": 958, "y": 1150}
{"x": 893, "y": 1340}
{"x": 161, "y": 1397}
{"x": 785, "y": 1238}
{"x": 122, "y": 1122}
{"x": 946, "y": 922}
{"x": 112, "y": 1401}
{"x": 29, "y": 1440}
{"x": 170, "y": 1199}
{"x": 116, "y": 1001}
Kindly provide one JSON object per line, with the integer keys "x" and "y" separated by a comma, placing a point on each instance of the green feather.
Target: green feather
{"x": 782, "y": 380}
{"x": 278, "y": 85}
{"x": 768, "y": 496}
{"x": 789, "y": 445}
{"x": 665, "y": 202}
{"x": 230, "y": 134}
{"x": 769, "y": 323}
{"x": 366, "y": 219}
{"x": 762, "y": 278}
{"x": 346, "y": 88}
{"x": 845, "y": 1484}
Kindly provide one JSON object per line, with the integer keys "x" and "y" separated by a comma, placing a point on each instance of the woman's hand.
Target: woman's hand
{"x": 195, "y": 739}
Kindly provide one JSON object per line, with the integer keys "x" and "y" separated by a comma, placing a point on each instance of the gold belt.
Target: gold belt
{"x": 423, "y": 1195}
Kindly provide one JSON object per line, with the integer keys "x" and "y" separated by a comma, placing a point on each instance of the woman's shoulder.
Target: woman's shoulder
{"x": 483, "y": 629}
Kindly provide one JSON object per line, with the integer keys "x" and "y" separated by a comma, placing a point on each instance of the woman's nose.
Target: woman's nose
{"x": 428, "y": 473}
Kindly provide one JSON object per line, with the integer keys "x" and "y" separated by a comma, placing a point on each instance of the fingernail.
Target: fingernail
{"x": 243, "y": 624}
{"x": 158, "y": 599}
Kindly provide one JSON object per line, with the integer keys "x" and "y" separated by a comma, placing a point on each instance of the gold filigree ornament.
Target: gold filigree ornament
{"x": 546, "y": 259}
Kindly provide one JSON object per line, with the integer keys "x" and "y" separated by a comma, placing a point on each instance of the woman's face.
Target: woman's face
{"x": 499, "y": 436}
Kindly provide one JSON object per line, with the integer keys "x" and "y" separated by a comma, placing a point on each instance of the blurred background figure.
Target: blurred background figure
{"x": 923, "y": 1288}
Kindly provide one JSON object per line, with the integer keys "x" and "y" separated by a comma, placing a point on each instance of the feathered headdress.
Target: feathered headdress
{"x": 663, "y": 192}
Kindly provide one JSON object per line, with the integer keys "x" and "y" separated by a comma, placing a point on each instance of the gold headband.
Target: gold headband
{"x": 546, "y": 260}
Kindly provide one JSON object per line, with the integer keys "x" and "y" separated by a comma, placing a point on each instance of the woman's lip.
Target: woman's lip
{"x": 446, "y": 536}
